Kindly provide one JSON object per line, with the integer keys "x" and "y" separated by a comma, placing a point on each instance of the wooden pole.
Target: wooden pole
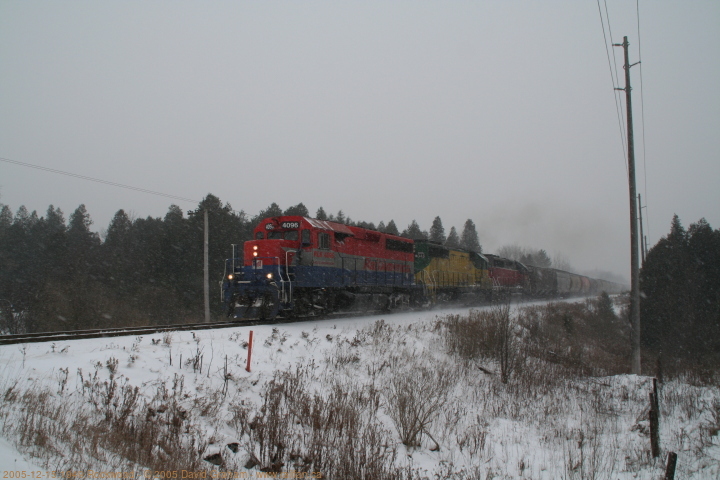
{"x": 654, "y": 421}
{"x": 642, "y": 235}
{"x": 206, "y": 270}
{"x": 250, "y": 344}
{"x": 634, "y": 237}
{"x": 670, "y": 468}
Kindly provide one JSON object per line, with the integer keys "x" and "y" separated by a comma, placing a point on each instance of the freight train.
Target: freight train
{"x": 300, "y": 266}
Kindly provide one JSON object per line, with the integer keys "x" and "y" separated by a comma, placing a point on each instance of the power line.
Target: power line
{"x": 97, "y": 180}
{"x": 614, "y": 80}
{"x": 642, "y": 116}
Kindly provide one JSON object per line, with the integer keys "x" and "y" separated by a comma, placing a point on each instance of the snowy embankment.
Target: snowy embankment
{"x": 370, "y": 397}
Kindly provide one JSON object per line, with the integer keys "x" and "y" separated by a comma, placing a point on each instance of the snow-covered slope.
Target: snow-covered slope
{"x": 195, "y": 384}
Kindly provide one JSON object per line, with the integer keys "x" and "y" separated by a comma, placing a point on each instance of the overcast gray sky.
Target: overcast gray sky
{"x": 498, "y": 111}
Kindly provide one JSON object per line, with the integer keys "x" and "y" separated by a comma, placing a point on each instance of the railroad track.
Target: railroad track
{"x": 126, "y": 331}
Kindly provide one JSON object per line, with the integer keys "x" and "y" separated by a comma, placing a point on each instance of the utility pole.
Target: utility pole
{"x": 634, "y": 264}
{"x": 643, "y": 249}
{"x": 206, "y": 278}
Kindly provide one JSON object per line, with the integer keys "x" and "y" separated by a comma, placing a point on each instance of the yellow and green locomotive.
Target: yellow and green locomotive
{"x": 451, "y": 274}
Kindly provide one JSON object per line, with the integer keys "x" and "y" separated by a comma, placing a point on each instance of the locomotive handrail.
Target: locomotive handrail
{"x": 287, "y": 272}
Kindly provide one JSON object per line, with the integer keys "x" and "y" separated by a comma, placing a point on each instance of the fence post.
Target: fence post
{"x": 654, "y": 421}
{"x": 250, "y": 344}
{"x": 670, "y": 468}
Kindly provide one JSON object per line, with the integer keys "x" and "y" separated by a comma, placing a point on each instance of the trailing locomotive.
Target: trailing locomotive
{"x": 302, "y": 266}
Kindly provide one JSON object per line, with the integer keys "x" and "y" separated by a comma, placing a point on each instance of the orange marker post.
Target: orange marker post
{"x": 250, "y": 344}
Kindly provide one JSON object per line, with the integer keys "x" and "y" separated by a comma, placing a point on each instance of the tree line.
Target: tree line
{"x": 680, "y": 297}
{"x": 58, "y": 274}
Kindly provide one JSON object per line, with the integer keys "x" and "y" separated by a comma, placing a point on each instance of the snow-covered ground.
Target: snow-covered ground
{"x": 563, "y": 428}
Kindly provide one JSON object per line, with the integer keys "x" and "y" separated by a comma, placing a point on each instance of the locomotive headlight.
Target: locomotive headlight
{"x": 254, "y": 254}
{"x": 269, "y": 276}
{"x": 230, "y": 277}
{"x": 254, "y": 247}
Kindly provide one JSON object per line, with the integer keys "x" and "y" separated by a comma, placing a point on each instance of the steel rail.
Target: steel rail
{"x": 40, "y": 337}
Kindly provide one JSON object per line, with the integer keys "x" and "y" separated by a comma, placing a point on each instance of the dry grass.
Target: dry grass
{"x": 103, "y": 423}
{"x": 500, "y": 388}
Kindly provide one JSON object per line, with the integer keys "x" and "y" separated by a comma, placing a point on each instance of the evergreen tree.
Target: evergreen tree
{"x": 320, "y": 214}
{"x": 5, "y": 217}
{"x": 54, "y": 219}
{"x": 78, "y": 291}
{"x": 537, "y": 258}
{"x": 513, "y": 252}
{"x": 391, "y": 228}
{"x": 437, "y": 232}
{"x": 174, "y": 214}
{"x": 273, "y": 210}
{"x": 119, "y": 229}
{"x": 25, "y": 220}
{"x": 413, "y": 231}
{"x": 680, "y": 295}
{"x": 340, "y": 218}
{"x": 469, "y": 239}
{"x": 453, "y": 240}
{"x": 223, "y": 229}
{"x": 299, "y": 210}
{"x": 368, "y": 225}
{"x": 542, "y": 259}
{"x": 51, "y": 233}
{"x": 381, "y": 226}
{"x": 79, "y": 228}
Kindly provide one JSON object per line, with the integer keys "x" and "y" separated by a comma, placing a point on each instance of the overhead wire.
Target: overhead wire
{"x": 107, "y": 182}
{"x": 614, "y": 80}
{"x": 642, "y": 116}
{"x": 97, "y": 180}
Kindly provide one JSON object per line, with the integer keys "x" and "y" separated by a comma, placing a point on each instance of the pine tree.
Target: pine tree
{"x": 5, "y": 217}
{"x": 413, "y": 231}
{"x": 119, "y": 229}
{"x": 437, "y": 232}
{"x": 299, "y": 210}
{"x": 680, "y": 295}
{"x": 340, "y": 218}
{"x": 273, "y": 210}
{"x": 320, "y": 214}
{"x": 392, "y": 229}
{"x": 542, "y": 259}
{"x": 469, "y": 239}
{"x": 453, "y": 240}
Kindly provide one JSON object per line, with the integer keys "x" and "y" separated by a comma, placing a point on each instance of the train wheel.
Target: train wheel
{"x": 266, "y": 307}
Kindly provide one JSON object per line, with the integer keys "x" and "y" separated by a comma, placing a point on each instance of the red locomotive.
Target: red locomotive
{"x": 300, "y": 265}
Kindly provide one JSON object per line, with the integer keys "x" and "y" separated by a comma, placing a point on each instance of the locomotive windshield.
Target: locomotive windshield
{"x": 287, "y": 235}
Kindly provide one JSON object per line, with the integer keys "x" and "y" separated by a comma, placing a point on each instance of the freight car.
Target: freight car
{"x": 550, "y": 282}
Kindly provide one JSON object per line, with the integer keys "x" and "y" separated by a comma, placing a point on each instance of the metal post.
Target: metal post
{"x": 634, "y": 263}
